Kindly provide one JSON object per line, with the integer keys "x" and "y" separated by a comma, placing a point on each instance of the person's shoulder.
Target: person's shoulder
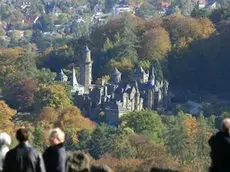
{"x": 33, "y": 150}
{"x": 11, "y": 152}
{"x": 62, "y": 150}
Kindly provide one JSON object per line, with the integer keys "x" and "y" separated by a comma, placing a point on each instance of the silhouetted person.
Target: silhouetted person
{"x": 220, "y": 148}
{"x": 55, "y": 155}
{"x": 23, "y": 158}
{"x": 80, "y": 162}
{"x": 5, "y": 141}
{"x": 162, "y": 170}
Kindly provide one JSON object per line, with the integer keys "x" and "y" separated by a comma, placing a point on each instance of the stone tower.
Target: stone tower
{"x": 140, "y": 75}
{"x": 86, "y": 69}
{"x": 115, "y": 76}
{"x": 62, "y": 77}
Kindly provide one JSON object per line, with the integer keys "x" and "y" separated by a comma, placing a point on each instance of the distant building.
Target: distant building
{"x": 118, "y": 9}
{"x": 30, "y": 19}
{"x": 116, "y": 98}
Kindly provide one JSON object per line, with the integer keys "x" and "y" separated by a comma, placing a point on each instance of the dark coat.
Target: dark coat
{"x": 220, "y": 152}
{"x": 55, "y": 158}
{"x": 23, "y": 158}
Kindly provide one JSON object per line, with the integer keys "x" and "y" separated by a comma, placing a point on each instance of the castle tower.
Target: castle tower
{"x": 62, "y": 77}
{"x": 115, "y": 76}
{"x": 86, "y": 69}
{"x": 140, "y": 75}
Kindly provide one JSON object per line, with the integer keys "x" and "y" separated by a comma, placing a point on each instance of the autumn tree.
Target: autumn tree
{"x": 156, "y": 44}
{"x": 72, "y": 122}
{"x": 53, "y": 95}
{"x": 48, "y": 117}
{"x": 183, "y": 30}
{"x": 19, "y": 92}
{"x": 6, "y": 114}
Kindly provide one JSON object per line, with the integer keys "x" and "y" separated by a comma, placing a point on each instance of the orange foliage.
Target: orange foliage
{"x": 6, "y": 114}
{"x": 71, "y": 121}
{"x": 48, "y": 116}
{"x": 190, "y": 126}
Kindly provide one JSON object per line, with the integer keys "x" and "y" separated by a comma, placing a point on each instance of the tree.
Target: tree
{"x": 6, "y": 114}
{"x": 147, "y": 10}
{"x": 72, "y": 122}
{"x": 39, "y": 139}
{"x": 175, "y": 135}
{"x": 145, "y": 122}
{"x": 53, "y": 95}
{"x": 156, "y": 44}
{"x": 183, "y": 30}
{"x": 47, "y": 117}
{"x": 19, "y": 92}
{"x": 100, "y": 141}
{"x": 57, "y": 58}
{"x": 122, "y": 148}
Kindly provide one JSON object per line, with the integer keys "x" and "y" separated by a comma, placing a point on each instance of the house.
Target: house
{"x": 201, "y": 4}
{"x": 163, "y": 7}
{"x": 30, "y": 19}
{"x": 212, "y": 5}
{"x": 118, "y": 9}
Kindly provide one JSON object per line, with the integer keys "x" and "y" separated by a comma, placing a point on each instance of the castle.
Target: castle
{"x": 111, "y": 100}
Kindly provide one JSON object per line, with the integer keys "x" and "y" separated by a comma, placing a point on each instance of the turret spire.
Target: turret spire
{"x": 74, "y": 79}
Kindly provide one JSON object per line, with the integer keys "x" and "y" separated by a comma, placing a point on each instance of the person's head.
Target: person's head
{"x": 56, "y": 137}
{"x": 78, "y": 161}
{"x": 5, "y": 139}
{"x": 225, "y": 125}
{"x": 22, "y": 135}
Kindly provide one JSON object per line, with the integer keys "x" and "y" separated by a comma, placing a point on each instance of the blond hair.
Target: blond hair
{"x": 225, "y": 125}
{"x": 57, "y": 133}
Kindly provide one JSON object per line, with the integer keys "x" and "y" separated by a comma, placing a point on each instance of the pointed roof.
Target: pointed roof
{"x": 152, "y": 73}
{"x": 62, "y": 73}
{"x": 140, "y": 70}
{"x": 115, "y": 72}
{"x": 74, "y": 79}
{"x": 88, "y": 56}
{"x": 62, "y": 76}
{"x": 87, "y": 48}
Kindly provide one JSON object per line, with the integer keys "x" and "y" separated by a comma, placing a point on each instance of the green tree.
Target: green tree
{"x": 145, "y": 122}
{"x": 38, "y": 137}
{"x": 101, "y": 140}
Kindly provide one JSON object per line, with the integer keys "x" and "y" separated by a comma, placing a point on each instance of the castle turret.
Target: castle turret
{"x": 152, "y": 78}
{"x": 74, "y": 82}
{"x": 62, "y": 77}
{"x": 76, "y": 87}
{"x": 140, "y": 75}
{"x": 86, "y": 69}
{"x": 115, "y": 75}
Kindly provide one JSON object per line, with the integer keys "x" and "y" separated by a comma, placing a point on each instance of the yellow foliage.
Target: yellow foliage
{"x": 6, "y": 114}
{"x": 48, "y": 116}
{"x": 123, "y": 64}
{"x": 71, "y": 121}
